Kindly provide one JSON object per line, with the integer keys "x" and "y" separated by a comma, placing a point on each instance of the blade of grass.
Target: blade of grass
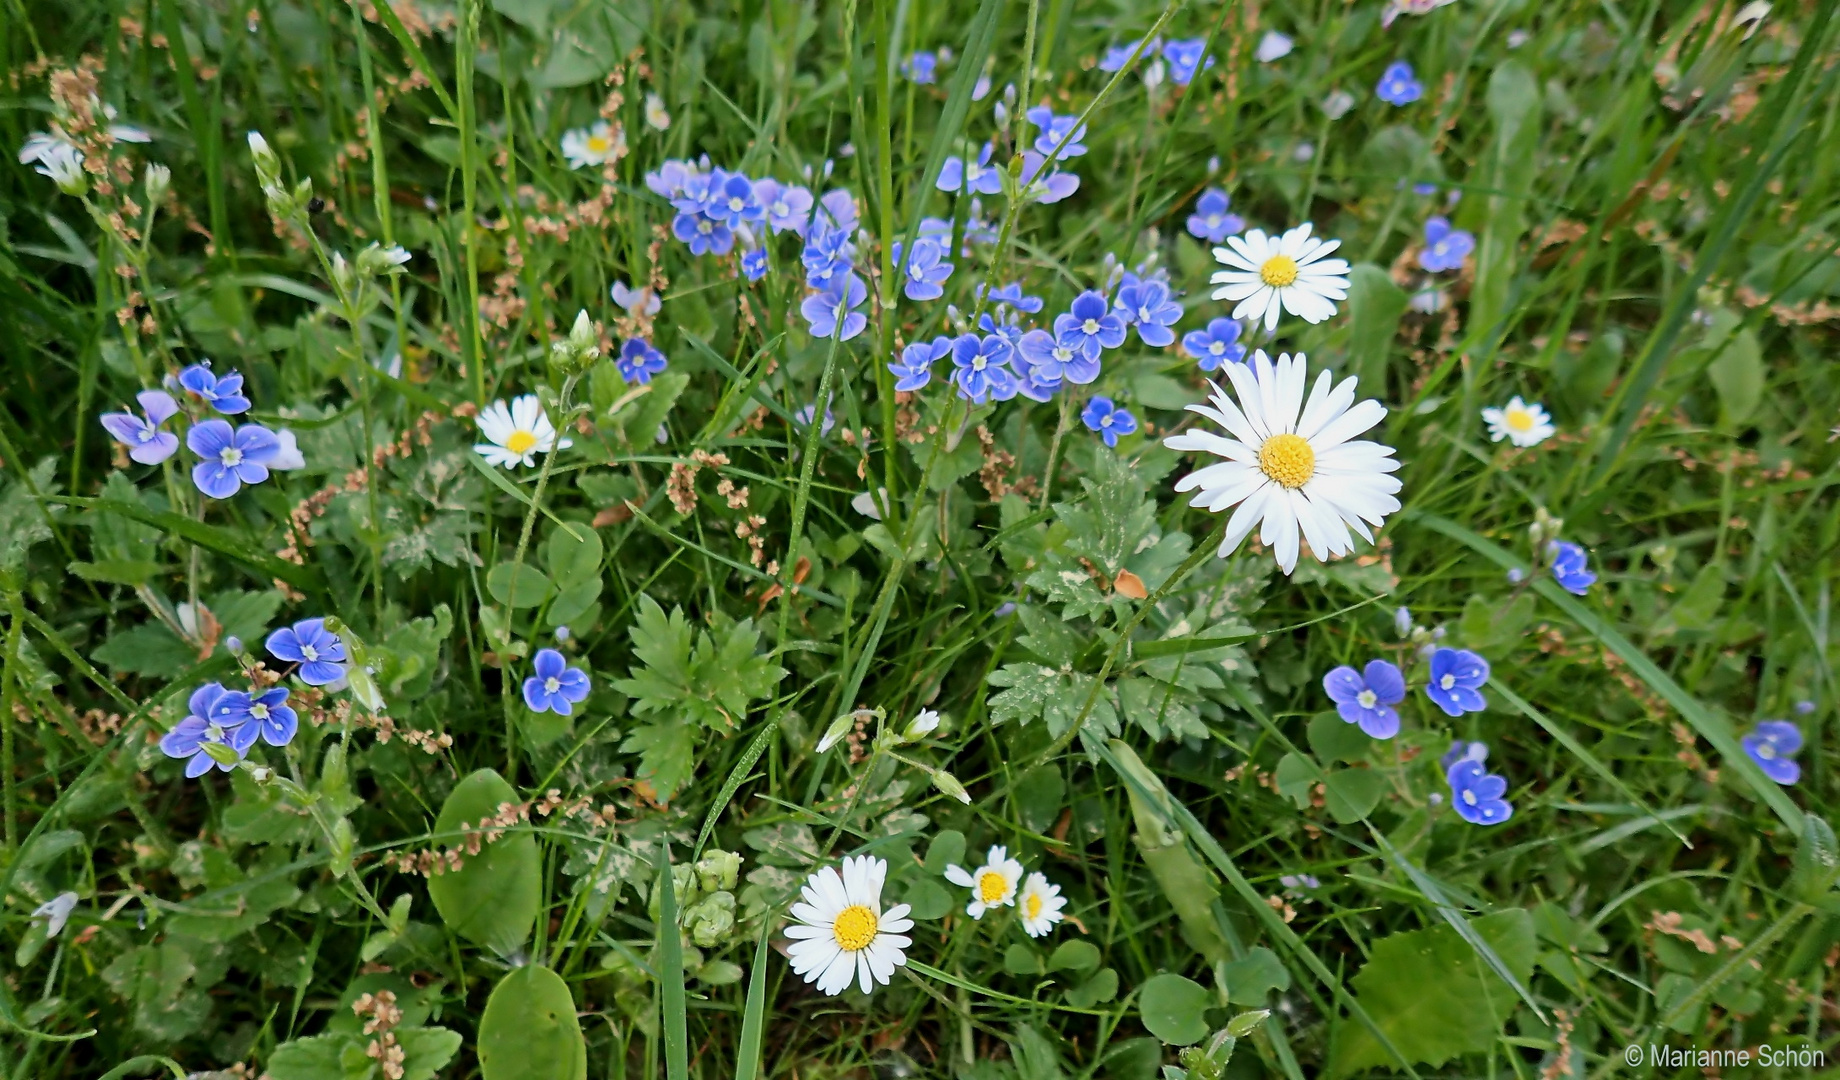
{"x": 736, "y": 777}
{"x": 754, "y": 1011}
{"x": 209, "y": 537}
{"x": 1709, "y": 726}
{"x": 671, "y": 973}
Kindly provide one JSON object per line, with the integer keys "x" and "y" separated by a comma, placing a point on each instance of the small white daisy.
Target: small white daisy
{"x": 1265, "y": 273}
{"x": 591, "y": 145}
{"x": 655, "y": 112}
{"x": 992, "y": 885}
{"x": 842, "y": 931}
{"x": 1289, "y": 463}
{"x": 517, "y": 433}
{"x": 1040, "y": 905}
{"x": 1521, "y": 423}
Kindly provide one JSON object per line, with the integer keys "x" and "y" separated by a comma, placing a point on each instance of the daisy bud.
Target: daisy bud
{"x": 949, "y": 784}
{"x": 157, "y": 179}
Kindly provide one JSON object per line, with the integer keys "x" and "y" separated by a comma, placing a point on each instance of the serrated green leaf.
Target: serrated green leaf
{"x": 667, "y": 755}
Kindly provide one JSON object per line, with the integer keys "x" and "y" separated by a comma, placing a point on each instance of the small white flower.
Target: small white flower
{"x": 56, "y": 912}
{"x": 992, "y": 885}
{"x": 1039, "y": 905}
{"x": 1292, "y": 272}
{"x": 1517, "y": 38}
{"x": 842, "y": 934}
{"x": 518, "y": 433}
{"x": 1521, "y": 423}
{"x": 921, "y": 726}
{"x": 1273, "y": 46}
{"x": 655, "y": 114}
{"x": 1289, "y": 463}
{"x": 869, "y": 503}
{"x": 1337, "y": 103}
{"x": 634, "y": 299}
{"x": 589, "y": 146}
{"x": 1428, "y": 300}
{"x": 289, "y": 456}
{"x": 59, "y": 160}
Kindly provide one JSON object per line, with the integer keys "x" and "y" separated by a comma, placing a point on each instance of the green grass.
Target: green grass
{"x": 1653, "y": 195}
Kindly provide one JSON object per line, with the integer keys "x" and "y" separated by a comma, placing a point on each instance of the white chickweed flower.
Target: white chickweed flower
{"x": 655, "y": 114}
{"x": 1520, "y": 422}
{"x": 842, "y": 933}
{"x": 992, "y": 885}
{"x": 517, "y": 433}
{"x": 921, "y": 726}
{"x": 1292, "y": 272}
{"x": 589, "y": 146}
{"x": 1040, "y": 905}
{"x": 56, "y": 912}
{"x": 1289, "y": 463}
{"x": 1273, "y": 46}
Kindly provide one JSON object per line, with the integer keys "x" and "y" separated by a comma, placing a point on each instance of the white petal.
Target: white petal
{"x": 1250, "y": 513}
{"x": 1356, "y": 420}
{"x": 1279, "y": 532}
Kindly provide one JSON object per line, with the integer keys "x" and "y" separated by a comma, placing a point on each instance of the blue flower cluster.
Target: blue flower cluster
{"x": 1185, "y": 57}
{"x": 229, "y": 457}
{"x": 232, "y": 719}
{"x": 966, "y": 175}
{"x": 1475, "y": 793}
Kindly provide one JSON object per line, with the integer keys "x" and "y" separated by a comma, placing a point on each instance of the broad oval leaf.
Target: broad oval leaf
{"x": 492, "y": 899}
{"x": 529, "y": 1030}
{"x": 1174, "y": 1009}
{"x": 518, "y": 585}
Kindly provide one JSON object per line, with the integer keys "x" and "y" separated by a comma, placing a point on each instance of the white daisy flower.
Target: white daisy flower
{"x": 517, "y": 433}
{"x": 655, "y": 113}
{"x": 1040, "y": 905}
{"x": 591, "y": 145}
{"x": 992, "y": 885}
{"x": 842, "y": 931}
{"x": 1265, "y": 273}
{"x": 1289, "y": 463}
{"x": 1521, "y": 423}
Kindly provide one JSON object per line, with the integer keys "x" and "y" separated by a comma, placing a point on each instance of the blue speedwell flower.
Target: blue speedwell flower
{"x": 1770, "y": 745}
{"x": 827, "y": 255}
{"x": 805, "y": 412}
{"x": 1445, "y": 247}
{"x": 232, "y": 458}
{"x": 1148, "y": 306}
{"x": 1216, "y": 345}
{"x": 1089, "y": 326}
{"x": 914, "y": 369}
{"x": 1044, "y": 187}
{"x": 142, "y": 436}
{"x": 556, "y": 687}
{"x": 831, "y": 311}
{"x": 983, "y": 368}
{"x": 189, "y": 737}
{"x": 1398, "y": 86}
{"x": 266, "y": 715}
{"x": 1210, "y": 221}
{"x": 704, "y": 235}
{"x": 1012, "y": 295}
{"x": 1117, "y": 56}
{"x": 926, "y": 269}
{"x": 1457, "y": 677}
{"x": 839, "y": 208}
{"x": 787, "y": 207}
{"x": 978, "y": 176}
{"x": 318, "y": 651}
{"x": 1057, "y": 360}
{"x": 1055, "y": 128}
{"x": 1367, "y": 697}
{"x": 1461, "y": 751}
{"x": 1568, "y": 567}
{"x": 1184, "y": 58}
{"x": 639, "y": 360}
{"x": 1476, "y": 794}
{"x": 754, "y": 263}
{"x": 225, "y": 394}
{"x": 921, "y": 67}
{"x": 1108, "y": 419}
{"x": 731, "y": 200}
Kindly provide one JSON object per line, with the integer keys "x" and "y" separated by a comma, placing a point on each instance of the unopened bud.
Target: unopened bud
{"x": 949, "y": 784}
{"x": 838, "y": 729}
{"x": 921, "y": 726}
{"x": 157, "y": 179}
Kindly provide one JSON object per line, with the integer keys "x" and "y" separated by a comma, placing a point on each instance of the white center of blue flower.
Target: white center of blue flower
{"x": 145, "y": 434}
{"x": 1213, "y": 221}
{"x": 214, "y": 732}
{"x": 735, "y": 204}
{"x": 705, "y": 226}
{"x": 1063, "y": 355}
{"x": 230, "y": 456}
{"x": 1765, "y": 751}
{"x": 1143, "y": 314}
{"x": 308, "y": 653}
{"x": 1448, "y": 681}
{"x": 1367, "y": 699}
{"x": 1216, "y": 348}
{"x": 780, "y": 209}
{"x": 978, "y": 362}
{"x": 551, "y": 685}
{"x": 1469, "y": 797}
{"x": 259, "y": 711}
{"x": 1090, "y": 326}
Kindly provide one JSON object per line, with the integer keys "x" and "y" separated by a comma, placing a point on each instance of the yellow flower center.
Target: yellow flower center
{"x": 1288, "y": 459}
{"x": 599, "y": 144}
{"x": 992, "y": 886}
{"x": 520, "y": 442}
{"x": 1033, "y": 905}
{"x": 1520, "y": 419}
{"x": 855, "y": 928}
{"x": 1278, "y": 271}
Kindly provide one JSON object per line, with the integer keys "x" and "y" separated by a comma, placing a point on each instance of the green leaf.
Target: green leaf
{"x": 1075, "y": 955}
{"x": 1174, "y": 1009}
{"x": 705, "y": 678}
{"x": 573, "y": 555}
{"x": 529, "y": 1030}
{"x": 1020, "y": 959}
{"x": 928, "y": 899}
{"x": 1375, "y": 305}
{"x": 667, "y": 755}
{"x": 492, "y": 899}
{"x": 1737, "y": 374}
{"x": 1294, "y": 776}
{"x": 321, "y": 1057}
{"x": 1041, "y": 795}
{"x": 1351, "y": 794}
{"x": 641, "y": 423}
{"x": 1249, "y": 980}
{"x": 518, "y": 585}
{"x": 427, "y": 1050}
{"x": 1335, "y": 739}
{"x": 1097, "y": 990}
{"x": 209, "y": 537}
{"x": 947, "y": 848}
{"x": 116, "y": 571}
{"x": 1432, "y": 994}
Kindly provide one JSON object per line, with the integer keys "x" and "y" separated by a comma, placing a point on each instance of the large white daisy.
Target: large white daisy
{"x": 1040, "y": 905}
{"x": 1290, "y": 463}
{"x": 591, "y": 145}
{"x": 1266, "y": 273}
{"x": 1521, "y": 423}
{"x": 842, "y": 931}
{"x": 992, "y": 885}
{"x": 517, "y": 433}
